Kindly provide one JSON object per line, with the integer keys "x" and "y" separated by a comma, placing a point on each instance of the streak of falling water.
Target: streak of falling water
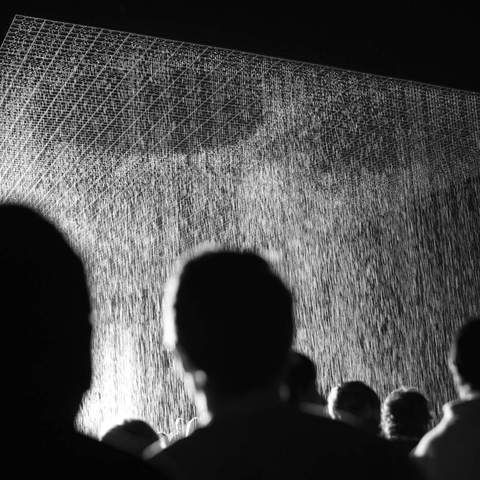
{"x": 365, "y": 191}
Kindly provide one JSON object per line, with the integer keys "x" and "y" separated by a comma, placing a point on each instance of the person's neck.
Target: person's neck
{"x": 214, "y": 403}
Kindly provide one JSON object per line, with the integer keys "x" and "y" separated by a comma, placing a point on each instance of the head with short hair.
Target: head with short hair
{"x": 229, "y": 314}
{"x": 464, "y": 357}
{"x": 132, "y": 436}
{"x": 301, "y": 379}
{"x": 405, "y": 413}
{"x": 356, "y": 403}
{"x": 45, "y": 305}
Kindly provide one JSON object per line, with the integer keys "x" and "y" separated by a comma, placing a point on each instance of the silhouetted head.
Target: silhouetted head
{"x": 230, "y": 316}
{"x": 405, "y": 413}
{"x": 301, "y": 380}
{"x": 132, "y": 436}
{"x": 45, "y": 309}
{"x": 464, "y": 358}
{"x": 355, "y": 403}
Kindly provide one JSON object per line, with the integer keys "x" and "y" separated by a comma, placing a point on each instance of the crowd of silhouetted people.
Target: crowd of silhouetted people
{"x": 228, "y": 316}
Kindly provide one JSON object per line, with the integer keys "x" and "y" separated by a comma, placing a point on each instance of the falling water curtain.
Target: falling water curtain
{"x": 364, "y": 191}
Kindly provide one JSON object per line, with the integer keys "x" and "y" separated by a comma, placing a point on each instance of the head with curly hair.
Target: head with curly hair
{"x": 356, "y": 403}
{"x": 406, "y": 414}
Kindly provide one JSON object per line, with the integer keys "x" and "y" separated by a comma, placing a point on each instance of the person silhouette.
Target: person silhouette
{"x": 133, "y": 436}
{"x": 356, "y": 403}
{"x": 229, "y": 318}
{"x": 405, "y": 418}
{"x": 452, "y": 448}
{"x": 45, "y": 308}
{"x": 301, "y": 381}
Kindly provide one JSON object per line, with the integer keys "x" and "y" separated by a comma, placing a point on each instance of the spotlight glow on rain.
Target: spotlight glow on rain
{"x": 364, "y": 189}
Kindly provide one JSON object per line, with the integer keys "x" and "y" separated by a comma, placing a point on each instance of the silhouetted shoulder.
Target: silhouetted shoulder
{"x": 83, "y": 457}
{"x": 110, "y": 459}
{"x": 282, "y": 442}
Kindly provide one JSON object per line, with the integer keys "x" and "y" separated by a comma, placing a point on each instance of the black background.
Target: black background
{"x": 437, "y": 44}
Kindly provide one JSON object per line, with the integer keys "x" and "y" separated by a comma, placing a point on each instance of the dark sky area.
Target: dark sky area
{"x": 438, "y": 44}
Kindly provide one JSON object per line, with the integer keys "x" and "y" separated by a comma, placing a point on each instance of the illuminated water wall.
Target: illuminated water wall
{"x": 366, "y": 190}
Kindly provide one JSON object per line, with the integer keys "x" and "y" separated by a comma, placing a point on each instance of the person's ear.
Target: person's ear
{"x": 196, "y": 376}
{"x": 200, "y": 379}
{"x": 457, "y": 380}
{"x": 183, "y": 359}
